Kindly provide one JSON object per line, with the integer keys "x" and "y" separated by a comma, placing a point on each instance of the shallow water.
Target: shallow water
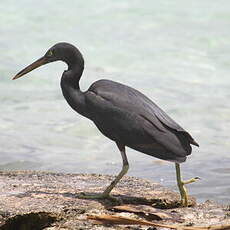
{"x": 176, "y": 52}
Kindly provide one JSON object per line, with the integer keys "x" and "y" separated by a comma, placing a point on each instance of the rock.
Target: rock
{"x": 32, "y": 200}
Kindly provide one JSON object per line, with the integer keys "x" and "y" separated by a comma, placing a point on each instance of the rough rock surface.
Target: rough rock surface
{"x": 32, "y": 200}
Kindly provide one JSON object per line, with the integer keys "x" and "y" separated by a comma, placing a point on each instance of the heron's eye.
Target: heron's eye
{"x": 50, "y": 53}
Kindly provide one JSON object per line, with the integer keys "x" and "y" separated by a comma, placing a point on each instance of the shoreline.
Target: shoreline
{"x": 46, "y": 200}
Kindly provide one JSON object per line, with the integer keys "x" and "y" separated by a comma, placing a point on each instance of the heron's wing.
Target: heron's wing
{"x": 129, "y": 99}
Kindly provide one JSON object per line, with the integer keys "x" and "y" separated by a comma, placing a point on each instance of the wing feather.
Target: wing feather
{"x": 159, "y": 125}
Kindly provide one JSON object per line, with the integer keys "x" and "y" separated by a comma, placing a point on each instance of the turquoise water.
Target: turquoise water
{"x": 176, "y": 52}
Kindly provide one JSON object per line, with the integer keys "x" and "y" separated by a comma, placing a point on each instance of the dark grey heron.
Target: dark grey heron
{"x": 122, "y": 114}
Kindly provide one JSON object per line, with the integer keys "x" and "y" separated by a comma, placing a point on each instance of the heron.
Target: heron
{"x": 123, "y": 114}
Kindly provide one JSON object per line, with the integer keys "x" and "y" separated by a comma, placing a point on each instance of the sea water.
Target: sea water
{"x": 176, "y": 52}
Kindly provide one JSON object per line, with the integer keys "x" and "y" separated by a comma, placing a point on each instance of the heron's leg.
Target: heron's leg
{"x": 182, "y": 189}
{"x": 124, "y": 170}
{"x": 181, "y": 185}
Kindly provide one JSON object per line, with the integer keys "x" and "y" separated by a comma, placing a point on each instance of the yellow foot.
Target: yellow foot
{"x": 181, "y": 185}
{"x": 191, "y": 180}
{"x": 183, "y": 190}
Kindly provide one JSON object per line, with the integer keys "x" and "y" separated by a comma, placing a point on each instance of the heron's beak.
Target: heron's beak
{"x": 41, "y": 61}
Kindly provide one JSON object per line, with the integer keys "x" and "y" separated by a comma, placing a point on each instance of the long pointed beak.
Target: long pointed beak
{"x": 41, "y": 61}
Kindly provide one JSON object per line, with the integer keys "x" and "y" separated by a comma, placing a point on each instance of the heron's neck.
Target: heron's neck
{"x": 73, "y": 75}
{"x": 71, "y": 90}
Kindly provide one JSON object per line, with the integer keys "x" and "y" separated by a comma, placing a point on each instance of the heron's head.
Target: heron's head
{"x": 59, "y": 52}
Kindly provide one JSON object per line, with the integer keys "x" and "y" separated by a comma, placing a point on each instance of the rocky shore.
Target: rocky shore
{"x": 32, "y": 200}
